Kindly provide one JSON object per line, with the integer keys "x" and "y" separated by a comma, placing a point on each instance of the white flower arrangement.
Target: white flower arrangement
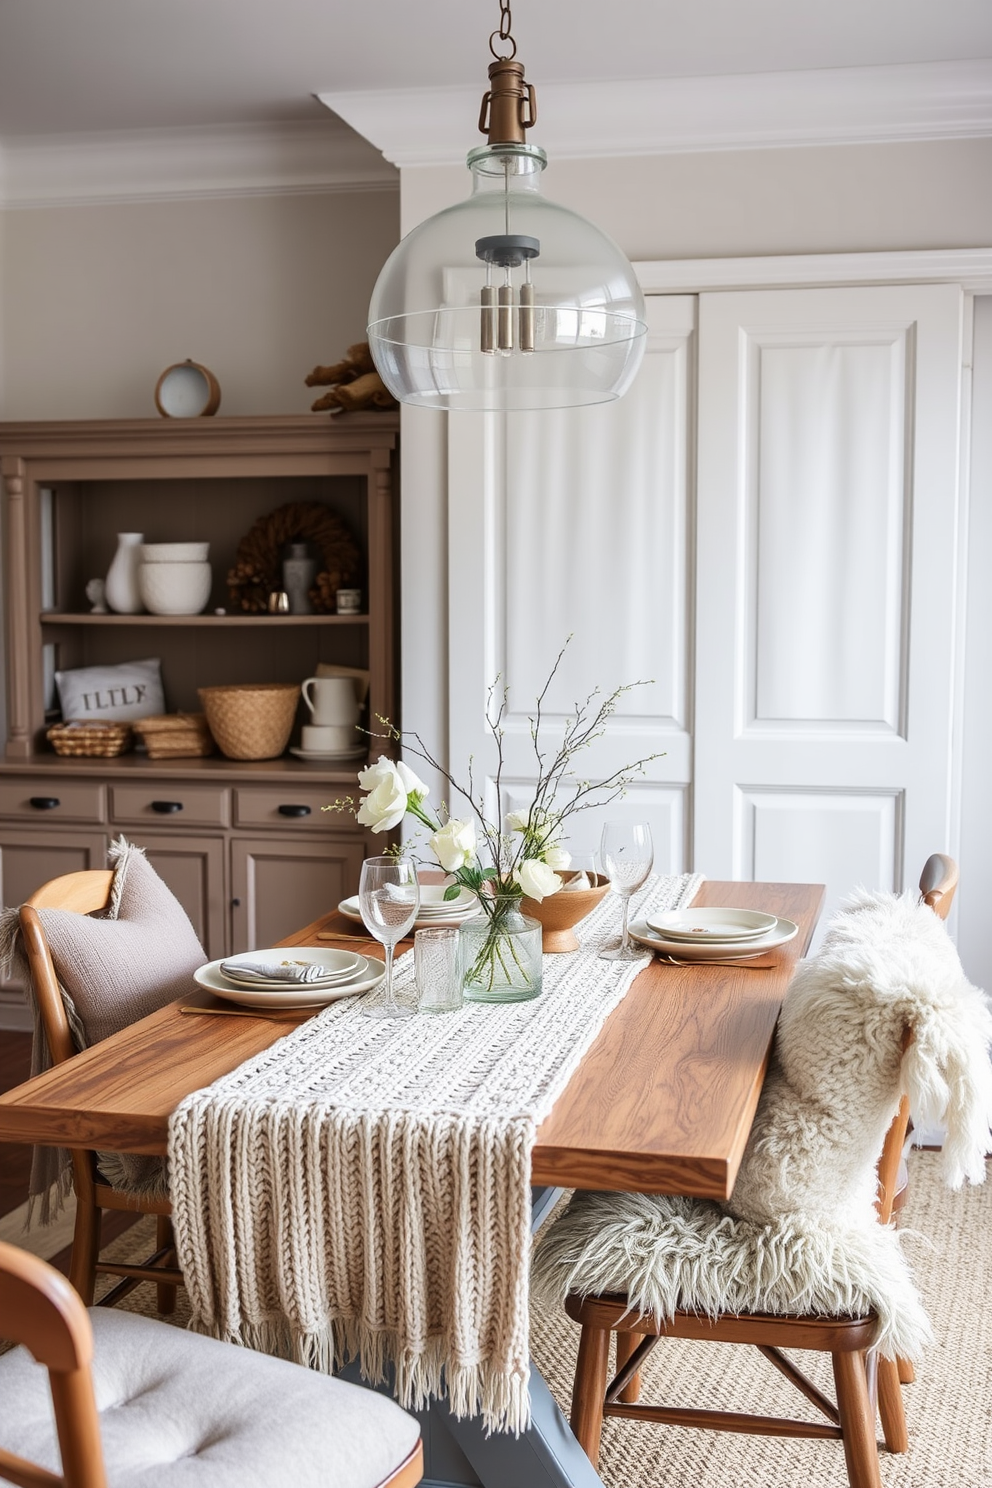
{"x": 525, "y": 851}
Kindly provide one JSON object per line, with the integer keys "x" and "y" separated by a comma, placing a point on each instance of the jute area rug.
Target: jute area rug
{"x": 947, "y": 1408}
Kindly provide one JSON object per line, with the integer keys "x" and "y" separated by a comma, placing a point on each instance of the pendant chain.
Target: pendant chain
{"x": 503, "y": 34}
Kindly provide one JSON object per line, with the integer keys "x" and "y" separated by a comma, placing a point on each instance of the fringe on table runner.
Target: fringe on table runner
{"x": 362, "y": 1190}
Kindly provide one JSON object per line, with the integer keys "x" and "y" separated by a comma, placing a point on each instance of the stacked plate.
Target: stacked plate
{"x": 713, "y": 934}
{"x": 434, "y": 908}
{"x": 290, "y": 976}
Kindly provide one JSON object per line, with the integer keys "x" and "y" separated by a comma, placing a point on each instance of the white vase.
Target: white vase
{"x": 122, "y": 576}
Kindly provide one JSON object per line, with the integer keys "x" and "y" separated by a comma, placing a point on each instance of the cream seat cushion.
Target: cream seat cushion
{"x": 177, "y": 1409}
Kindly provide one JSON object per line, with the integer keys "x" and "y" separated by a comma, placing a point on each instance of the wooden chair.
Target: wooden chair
{"x": 268, "y": 1436}
{"x": 863, "y": 1382}
{"x": 86, "y": 893}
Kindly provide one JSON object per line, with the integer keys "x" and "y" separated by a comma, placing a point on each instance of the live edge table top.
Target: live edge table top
{"x": 662, "y": 1102}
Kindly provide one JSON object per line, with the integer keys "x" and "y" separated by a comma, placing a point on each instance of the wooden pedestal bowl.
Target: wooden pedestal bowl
{"x": 561, "y": 912}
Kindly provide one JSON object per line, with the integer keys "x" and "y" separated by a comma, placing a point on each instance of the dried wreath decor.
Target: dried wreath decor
{"x": 257, "y": 567}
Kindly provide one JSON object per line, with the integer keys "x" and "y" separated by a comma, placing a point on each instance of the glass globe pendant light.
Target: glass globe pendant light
{"x": 506, "y": 301}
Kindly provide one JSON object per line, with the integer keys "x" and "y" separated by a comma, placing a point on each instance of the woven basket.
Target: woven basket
{"x": 175, "y": 735}
{"x": 251, "y": 721}
{"x": 90, "y": 740}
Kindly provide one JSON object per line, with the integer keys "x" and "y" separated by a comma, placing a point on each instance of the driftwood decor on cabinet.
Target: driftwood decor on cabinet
{"x": 243, "y": 845}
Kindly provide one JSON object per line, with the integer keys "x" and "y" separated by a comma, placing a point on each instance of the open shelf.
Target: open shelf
{"x": 63, "y": 617}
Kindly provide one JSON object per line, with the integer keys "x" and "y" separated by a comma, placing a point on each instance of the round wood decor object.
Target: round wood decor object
{"x": 257, "y": 570}
{"x": 187, "y": 390}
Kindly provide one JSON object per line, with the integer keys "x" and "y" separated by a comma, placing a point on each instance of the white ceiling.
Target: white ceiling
{"x": 92, "y": 66}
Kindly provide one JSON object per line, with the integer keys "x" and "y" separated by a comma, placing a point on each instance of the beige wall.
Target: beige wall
{"x": 95, "y": 301}
{"x": 850, "y": 199}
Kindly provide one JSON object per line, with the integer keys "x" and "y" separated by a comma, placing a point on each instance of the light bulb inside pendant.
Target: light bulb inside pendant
{"x": 507, "y": 301}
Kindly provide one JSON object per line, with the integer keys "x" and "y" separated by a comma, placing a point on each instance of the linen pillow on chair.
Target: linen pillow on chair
{"x": 123, "y": 966}
{"x": 112, "y": 969}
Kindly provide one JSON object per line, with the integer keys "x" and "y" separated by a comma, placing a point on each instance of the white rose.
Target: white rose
{"x": 385, "y": 805}
{"x": 413, "y": 785}
{"x": 516, "y": 821}
{"x": 537, "y": 880}
{"x": 557, "y": 858}
{"x": 454, "y": 845}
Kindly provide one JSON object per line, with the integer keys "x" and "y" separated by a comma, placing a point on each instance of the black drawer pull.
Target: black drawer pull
{"x": 294, "y": 810}
{"x": 45, "y": 803}
{"x": 167, "y": 808}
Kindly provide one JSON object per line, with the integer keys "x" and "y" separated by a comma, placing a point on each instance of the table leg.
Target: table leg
{"x": 459, "y": 1454}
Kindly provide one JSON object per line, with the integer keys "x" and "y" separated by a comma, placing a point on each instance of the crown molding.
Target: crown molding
{"x": 654, "y": 116}
{"x": 184, "y": 164}
{"x": 971, "y": 268}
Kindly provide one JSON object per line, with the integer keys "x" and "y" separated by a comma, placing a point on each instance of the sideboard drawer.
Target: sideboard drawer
{"x": 170, "y": 801}
{"x": 290, "y": 806}
{"x": 48, "y": 799}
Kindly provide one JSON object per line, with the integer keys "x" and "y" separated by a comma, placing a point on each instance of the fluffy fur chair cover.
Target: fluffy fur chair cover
{"x": 799, "y": 1233}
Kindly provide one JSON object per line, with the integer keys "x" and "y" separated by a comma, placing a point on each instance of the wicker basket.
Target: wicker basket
{"x": 92, "y": 740}
{"x": 251, "y": 721}
{"x": 175, "y": 735}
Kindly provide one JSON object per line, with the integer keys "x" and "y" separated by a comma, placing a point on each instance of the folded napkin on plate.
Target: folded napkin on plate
{"x": 273, "y": 971}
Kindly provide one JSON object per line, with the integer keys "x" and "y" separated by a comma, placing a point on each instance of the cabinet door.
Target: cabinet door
{"x": 582, "y": 529}
{"x": 827, "y": 583}
{"x": 29, "y": 859}
{"x": 193, "y": 868}
{"x": 280, "y": 885}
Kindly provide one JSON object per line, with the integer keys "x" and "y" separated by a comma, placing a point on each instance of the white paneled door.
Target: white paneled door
{"x": 766, "y": 531}
{"x": 577, "y": 524}
{"x": 828, "y": 563}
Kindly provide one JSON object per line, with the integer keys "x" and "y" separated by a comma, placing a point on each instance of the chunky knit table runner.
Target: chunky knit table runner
{"x": 363, "y": 1187}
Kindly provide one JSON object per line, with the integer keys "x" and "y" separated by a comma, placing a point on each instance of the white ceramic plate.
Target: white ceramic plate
{"x": 432, "y": 900}
{"x": 368, "y": 975}
{"x": 336, "y": 966}
{"x": 349, "y": 908}
{"x": 328, "y": 754}
{"x": 727, "y": 950}
{"x": 703, "y": 926}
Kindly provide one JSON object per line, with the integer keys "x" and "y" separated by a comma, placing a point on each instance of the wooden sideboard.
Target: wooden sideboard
{"x": 243, "y": 844}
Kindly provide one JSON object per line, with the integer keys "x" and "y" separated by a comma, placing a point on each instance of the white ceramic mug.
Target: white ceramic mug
{"x": 329, "y": 738}
{"x": 331, "y": 700}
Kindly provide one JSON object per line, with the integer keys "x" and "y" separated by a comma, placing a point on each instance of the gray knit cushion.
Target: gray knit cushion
{"x": 120, "y": 968}
{"x": 178, "y": 1410}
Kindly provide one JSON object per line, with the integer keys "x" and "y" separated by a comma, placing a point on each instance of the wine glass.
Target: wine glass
{"x": 627, "y": 853}
{"x": 389, "y": 900}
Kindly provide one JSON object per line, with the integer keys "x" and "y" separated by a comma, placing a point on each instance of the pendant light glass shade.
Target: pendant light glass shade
{"x": 506, "y": 301}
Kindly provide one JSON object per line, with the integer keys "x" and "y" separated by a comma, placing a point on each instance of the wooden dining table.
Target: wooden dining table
{"x": 662, "y": 1102}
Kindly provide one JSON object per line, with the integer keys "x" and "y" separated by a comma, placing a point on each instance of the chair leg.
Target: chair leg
{"x": 626, "y": 1344}
{"x": 166, "y": 1293}
{"x": 85, "y": 1248}
{"x": 890, "y": 1407}
{"x": 589, "y": 1389}
{"x": 907, "y": 1374}
{"x": 857, "y": 1420}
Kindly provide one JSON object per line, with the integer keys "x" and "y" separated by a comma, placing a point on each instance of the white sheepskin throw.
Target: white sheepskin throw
{"x": 800, "y": 1233}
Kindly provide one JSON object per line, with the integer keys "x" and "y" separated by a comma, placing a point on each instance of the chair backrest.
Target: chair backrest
{"x": 82, "y": 893}
{"x": 40, "y": 1309}
{"x": 938, "y": 883}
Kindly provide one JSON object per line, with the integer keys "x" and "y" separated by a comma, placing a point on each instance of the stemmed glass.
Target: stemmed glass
{"x": 627, "y": 853}
{"x": 389, "y": 899}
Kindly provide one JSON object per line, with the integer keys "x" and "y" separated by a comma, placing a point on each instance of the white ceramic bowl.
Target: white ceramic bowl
{"x": 195, "y": 552}
{"x": 174, "y": 588}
